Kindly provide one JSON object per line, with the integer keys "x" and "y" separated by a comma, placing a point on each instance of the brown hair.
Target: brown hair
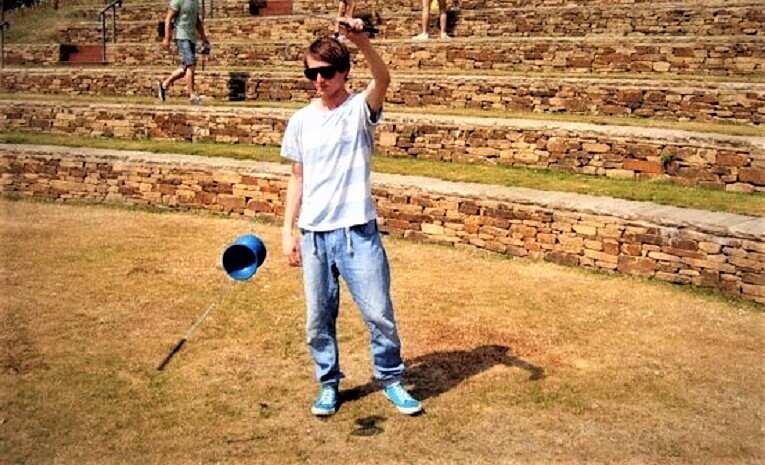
{"x": 330, "y": 50}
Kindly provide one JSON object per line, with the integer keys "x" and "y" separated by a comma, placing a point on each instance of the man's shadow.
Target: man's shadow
{"x": 434, "y": 374}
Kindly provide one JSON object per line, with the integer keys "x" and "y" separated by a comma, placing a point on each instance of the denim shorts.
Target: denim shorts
{"x": 187, "y": 49}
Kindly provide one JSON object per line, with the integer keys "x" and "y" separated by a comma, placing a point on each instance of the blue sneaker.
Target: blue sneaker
{"x": 326, "y": 403}
{"x": 404, "y": 402}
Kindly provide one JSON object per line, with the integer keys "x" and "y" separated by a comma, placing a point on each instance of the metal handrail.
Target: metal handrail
{"x": 3, "y": 26}
{"x": 113, "y": 7}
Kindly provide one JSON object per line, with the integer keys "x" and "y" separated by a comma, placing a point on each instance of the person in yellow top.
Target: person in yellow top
{"x": 426, "y": 7}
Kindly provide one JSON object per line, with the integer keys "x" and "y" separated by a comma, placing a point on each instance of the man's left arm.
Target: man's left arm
{"x": 201, "y": 29}
{"x": 375, "y": 91}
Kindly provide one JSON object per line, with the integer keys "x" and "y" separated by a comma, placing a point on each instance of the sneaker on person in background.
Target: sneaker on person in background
{"x": 421, "y": 37}
{"x": 403, "y": 401}
{"x": 445, "y": 36}
{"x": 196, "y": 99}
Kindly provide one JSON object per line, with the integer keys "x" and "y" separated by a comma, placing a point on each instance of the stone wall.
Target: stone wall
{"x": 705, "y": 249}
{"x": 135, "y": 11}
{"x": 567, "y": 21}
{"x": 711, "y": 160}
{"x": 316, "y": 6}
{"x": 719, "y": 56}
{"x": 32, "y": 55}
{"x": 667, "y": 100}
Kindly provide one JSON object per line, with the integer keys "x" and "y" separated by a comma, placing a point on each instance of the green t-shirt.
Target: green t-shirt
{"x": 185, "y": 19}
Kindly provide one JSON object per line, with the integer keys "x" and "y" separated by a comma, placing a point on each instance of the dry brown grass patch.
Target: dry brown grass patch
{"x": 516, "y": 361}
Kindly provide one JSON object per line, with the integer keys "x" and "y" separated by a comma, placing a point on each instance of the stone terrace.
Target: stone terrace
{"x": 713, "y": 56}
{"x": 732, "y": 163}
{"x": 322, "y": 6}
{"x": 712, "y": 250}
{"x": 720, "y": 19}
{"x": 663, "y": 60}
{"x": 673, "y": 100}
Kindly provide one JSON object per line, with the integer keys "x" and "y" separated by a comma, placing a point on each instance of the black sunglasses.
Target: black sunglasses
{"x": 327, "y": 72}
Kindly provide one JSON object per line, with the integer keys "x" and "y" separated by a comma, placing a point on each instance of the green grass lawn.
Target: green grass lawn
{"x": 655, "y": 191}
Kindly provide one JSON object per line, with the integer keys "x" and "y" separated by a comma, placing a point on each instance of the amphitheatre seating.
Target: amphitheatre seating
{"x": 731, "y": 163}
{"x": 144, "y": 10}
{"x": 710, "y": 19}
{"x": 644, "y": 56}
{"x": 496, "y": 94}
{"x": 671, "y": 100}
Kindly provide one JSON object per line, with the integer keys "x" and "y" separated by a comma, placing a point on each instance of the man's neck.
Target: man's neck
{"x": 330, "y": 102}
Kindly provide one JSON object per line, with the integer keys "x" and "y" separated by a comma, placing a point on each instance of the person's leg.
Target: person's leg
{"x": 177, "y": 74}
{"x": 364, "y": 266}
{"x": 424, "y": 19}
{"x": 190, "y": 71}
{"x": 442, "y": 18}
{"x": 187, "y": 51}
{"x": 322, "y": 298}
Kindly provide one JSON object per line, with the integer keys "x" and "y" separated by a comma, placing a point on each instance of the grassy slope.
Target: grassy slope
{"x": 40, "y": 24}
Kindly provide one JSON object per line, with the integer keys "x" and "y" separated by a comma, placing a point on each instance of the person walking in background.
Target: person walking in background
{"x": 188, "y": 29}
{"x": 426, "y": 6}
{"x": 329, "y": 194}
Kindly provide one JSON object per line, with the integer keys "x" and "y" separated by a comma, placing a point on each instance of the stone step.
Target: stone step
{"x": 670, "y": 19}
{"x": 139, "y": 11}
{"x": 325, "y": 6}
{"x": 685, "y": 100}
{"x": 718, "y": 56}
{"x": 734, "y": 163}
{"x": 679, "y": 245}
{"x": 82, "y": 54}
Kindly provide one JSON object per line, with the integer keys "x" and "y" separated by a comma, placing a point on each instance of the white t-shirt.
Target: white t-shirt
{"x": 335, "y": 148}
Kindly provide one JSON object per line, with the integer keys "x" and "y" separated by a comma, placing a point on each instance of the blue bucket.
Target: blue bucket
{"x": 242, "y": 258}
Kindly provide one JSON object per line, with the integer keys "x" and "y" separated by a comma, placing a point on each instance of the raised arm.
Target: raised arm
{"x": 375, "y": 91}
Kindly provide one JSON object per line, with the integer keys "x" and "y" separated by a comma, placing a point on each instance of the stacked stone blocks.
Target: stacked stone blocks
{"x": 682, "y": 253}
{"x": 736, "y": 164}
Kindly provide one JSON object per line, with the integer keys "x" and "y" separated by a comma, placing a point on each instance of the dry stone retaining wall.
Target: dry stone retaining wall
{"x": 705, "y": 249}
{"x": 135, "y": 11}
{"x": 32, "y": 54}
{"x": 731, "y": 163}
{"x": 734, "y": 56}
{"x": 316, "y": 6}
{"x": 700, "y": 101}
{"x": 685, "y": 20}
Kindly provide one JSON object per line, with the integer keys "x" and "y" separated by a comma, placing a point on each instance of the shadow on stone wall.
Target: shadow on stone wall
{"x": 237, "y": 85}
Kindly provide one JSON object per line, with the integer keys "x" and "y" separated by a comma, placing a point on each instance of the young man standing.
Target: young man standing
{"x": 188, "y": 28}
{"x": 330, "y": 143}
